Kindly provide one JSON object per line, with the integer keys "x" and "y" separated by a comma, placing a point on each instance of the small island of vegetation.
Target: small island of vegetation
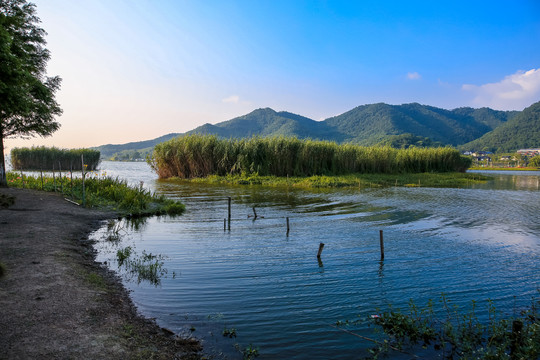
{"x": 307, "y": 163}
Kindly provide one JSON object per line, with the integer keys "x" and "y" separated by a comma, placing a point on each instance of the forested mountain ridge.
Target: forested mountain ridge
{"x": 371, "y": 124}
{"x": 520, "y": 132}
{"x": 268, "y": 122}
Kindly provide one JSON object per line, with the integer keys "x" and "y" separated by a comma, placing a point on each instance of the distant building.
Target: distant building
{"x": 529, "y": 152}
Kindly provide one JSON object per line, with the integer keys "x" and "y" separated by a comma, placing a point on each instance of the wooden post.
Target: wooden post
{"x": 54, "y": 177}
{"x": 254, "y": 213}
{"x": 60, "y": 177}
{"x": 224, "y": 224}
{"x": 229, "y": 224}
{"x": 288, "y": 228}
{"x": 321, "y": 246}
{"x": 71, "y": 175}
{"x": 82, "y": 170}
{"x": 382, "y": 244}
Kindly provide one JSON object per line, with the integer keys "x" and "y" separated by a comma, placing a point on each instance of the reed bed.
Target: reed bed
{"x": 45, "y": 158}
{"x": 101, "y": 192}
{"x": 194, "y": 156}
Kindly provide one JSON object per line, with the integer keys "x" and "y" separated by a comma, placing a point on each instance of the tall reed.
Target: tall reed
{"x": 45, "y": 158}
{"x": 194, "y": 156}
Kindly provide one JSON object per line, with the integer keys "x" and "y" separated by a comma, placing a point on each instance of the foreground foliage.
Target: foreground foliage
{"x": 44, "y": 158}
{"x": 203, "y": 155}
{"x": 27, "y": 95}
{"x": 458, "y": 334}
{"x": 103, "y": 192}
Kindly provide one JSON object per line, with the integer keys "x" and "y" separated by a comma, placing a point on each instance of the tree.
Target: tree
{"x": 27, "y": 96}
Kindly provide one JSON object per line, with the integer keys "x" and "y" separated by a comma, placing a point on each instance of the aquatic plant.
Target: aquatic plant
{"x": 458, "y": 334}
{"x": 104, "y": 192}
{"x": 45, "y": 158}
{"x": 195, "y": 156}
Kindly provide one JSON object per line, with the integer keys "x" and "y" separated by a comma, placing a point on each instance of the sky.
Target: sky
{"x": 134, "y": 70}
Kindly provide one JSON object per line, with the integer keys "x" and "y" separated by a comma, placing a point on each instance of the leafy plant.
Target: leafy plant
{"x": 461, "y": 334}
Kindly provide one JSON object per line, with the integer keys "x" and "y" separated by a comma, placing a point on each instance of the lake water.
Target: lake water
{"x": 471, "y": 244}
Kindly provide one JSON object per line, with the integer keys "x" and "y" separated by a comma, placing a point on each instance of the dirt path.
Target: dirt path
{"x": 55, "y": 301}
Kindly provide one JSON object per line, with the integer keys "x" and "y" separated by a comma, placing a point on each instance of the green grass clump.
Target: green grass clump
{"x": 44, "y": 158}
{"x": 195, "y": 156}
{"x": 103, "y": 192}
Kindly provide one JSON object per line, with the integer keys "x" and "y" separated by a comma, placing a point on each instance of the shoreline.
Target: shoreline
{"x": 56, "y": 301}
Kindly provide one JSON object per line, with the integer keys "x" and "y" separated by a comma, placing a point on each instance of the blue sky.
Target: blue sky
{"x": 138, "y": 69}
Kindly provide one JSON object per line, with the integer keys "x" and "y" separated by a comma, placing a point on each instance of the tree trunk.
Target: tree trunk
{"x": 3, "y": 178}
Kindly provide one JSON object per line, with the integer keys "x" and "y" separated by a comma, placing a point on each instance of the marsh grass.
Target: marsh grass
{"x": 103, "y": 192}
{"x": 459, "y": 333}
{"x": 45, "y": 158}
{"x": 194, "y": 156}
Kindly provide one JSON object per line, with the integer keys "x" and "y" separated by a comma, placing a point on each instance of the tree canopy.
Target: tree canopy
{"x": 27, "y": 95}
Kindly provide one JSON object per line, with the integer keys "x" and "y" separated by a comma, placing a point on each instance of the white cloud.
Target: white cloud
{"x": 413, "y": 76}
{"x": 234, "y": 99}
{"x": 514, "y": 92}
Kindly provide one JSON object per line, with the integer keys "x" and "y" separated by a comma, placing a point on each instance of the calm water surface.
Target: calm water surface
{"x": 472, "y": 244}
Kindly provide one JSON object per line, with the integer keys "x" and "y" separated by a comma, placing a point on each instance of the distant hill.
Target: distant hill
{"x": 520, "y": 132}
{"x": 267, "y": 122}
{"x": 372, "y": 124}
{"x": 396, "y": 125}
{"x": 109, "y": 150}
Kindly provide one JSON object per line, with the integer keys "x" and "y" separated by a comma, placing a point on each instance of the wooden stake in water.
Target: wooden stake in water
{"x": 82, "y": 170}
{"x": 288, "y": 228}
{"x": 60, "y": 178}
{"x": 382, "y": 244}
{"x": 224, "y": 224}
{"x": 321, "y": 247}
{"x": 229, "y": 225}
{"x": 71, "y": 175}
{"x": 54, "y": 177}
{"x": 254, "y": 213}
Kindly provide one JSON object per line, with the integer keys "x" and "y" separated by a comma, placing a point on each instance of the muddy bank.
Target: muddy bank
{"x": 55, "y": 301}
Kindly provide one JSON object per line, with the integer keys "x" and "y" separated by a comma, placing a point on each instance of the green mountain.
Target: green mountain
{"x": 267, "y": 122}
{"x": 109, "y": 150}
{"x": 396, "y": 125}
{"x": 372, "y": 124}
{"x": 520, "y": 132}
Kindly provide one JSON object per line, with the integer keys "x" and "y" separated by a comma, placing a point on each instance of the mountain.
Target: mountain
{"x": 398, "y": 125}
{"x": 520, "y": 132}
{"x": 372, "y": 124}
{"x": 267, "y": 122}
{"x": 108, "y": 151}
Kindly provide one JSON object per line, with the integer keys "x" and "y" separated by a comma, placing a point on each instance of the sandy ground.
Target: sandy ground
{"x": 56, "y": 302}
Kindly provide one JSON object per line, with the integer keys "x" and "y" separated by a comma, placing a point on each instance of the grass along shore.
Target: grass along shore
{"x": 505, "y": 168}
{"x": 101, "y": 192}
{"x": 348, "y": 181}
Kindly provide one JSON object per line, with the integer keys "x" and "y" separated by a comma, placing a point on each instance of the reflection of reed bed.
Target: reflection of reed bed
{"x": 44, "y": 158}
{"x": 450, "y": 179}
{"x": 203, "y": 155}
{"x": 105, "y": 192}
